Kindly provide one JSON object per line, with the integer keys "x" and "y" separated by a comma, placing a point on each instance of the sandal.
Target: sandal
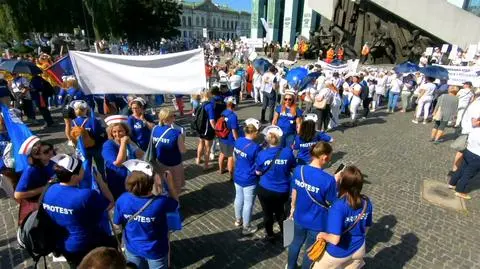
{"x": 463, "y": 195}
{"x": 451, "y": 187}
{"x": 198, "y": 161}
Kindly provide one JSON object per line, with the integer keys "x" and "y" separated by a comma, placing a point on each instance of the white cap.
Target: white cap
{"x": 139, "y": 165}
{"x": 272, "y": 129}
{"x": 290, "y": 92}
{"x": 70, "y": 163}
{"x": 230, "y": 99}
{"x": 115, "y": 119}
{"x": 253, "y": 122}
{"x": 311, "y": 116}
{"x": 79, "y": 104}
{"x": 140, "y": 100}
{"x": 28, "y": 144}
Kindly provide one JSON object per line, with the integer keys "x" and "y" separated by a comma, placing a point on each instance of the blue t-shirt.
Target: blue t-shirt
{"x": 147, "y": 234}
{"x": 209, "y": 108}
{"x": 115, "y": 175}
{"x": 322, "y": 187}
{"x": 166, "y": 147}
{"x": 140, "y": 132}
{"x": 303, "y": 155}
{"x": 246, "y": 152}
{"x": 4, "y": 140}
{"x": 287, "y": 121}
{"x": 76, "y": 94}
{"x": 340, "y": 217}
{"x": 232, "y": 124}
{"x": 79, "y": 212}
{"x": 34, "y": 177}
{"x": 90, "y": 126}
{"x": 277, "y": 178}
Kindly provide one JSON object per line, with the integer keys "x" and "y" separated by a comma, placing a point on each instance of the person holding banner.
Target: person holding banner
{"x": 78, "y": 217}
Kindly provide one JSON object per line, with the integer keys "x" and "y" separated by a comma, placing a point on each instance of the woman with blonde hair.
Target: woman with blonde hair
{"x": 274, "y": 165}
{"x": 244, "y": 177}
{"x": 115, "y": 151}
{"x": 169, "y": 146}
{"x": 348, "y": 221}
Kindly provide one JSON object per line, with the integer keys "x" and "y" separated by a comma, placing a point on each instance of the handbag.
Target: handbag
{"x": 320, "y": 104}
{"x": 315, "y": 251}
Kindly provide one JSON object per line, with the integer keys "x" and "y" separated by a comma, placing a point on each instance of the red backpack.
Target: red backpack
{"x": 221, "y": 129}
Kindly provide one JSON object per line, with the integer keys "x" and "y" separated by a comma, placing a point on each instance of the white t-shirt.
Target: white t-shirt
{"x": 325, "y": 93}
{"x": 235, "y": 82}
{"x": 464, "y": 96}
{"x": 428, "y": 89}
{"x": 356, "y": 88}
{"x": 381, "y": 84}
{"x": 396, "y": 85}
{"x": 473, "y": 112}
{"x": 267, "y": 79}
{"x": 282, "y": 85}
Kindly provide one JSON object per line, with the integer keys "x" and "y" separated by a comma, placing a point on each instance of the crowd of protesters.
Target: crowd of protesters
{"x": 281, "y": 158}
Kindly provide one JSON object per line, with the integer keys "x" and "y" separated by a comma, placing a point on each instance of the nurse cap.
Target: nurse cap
{"x": 70, "y": 163}
{"x": 27, "y": 145}
{"x": 290, "y": 92}
{"x": 140, "y": 166}
{"x": 311, "y": 116}
{"x": 116, "y": 119}
{"x": 138, "y": 99}
{"x": 230, "y": 99}
{"x": 272, "y": 129}
{"x": 253, "y": 122}
{"x": 79, "y": 104}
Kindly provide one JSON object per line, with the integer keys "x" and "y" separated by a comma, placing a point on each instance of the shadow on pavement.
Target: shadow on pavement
{"x": 381, "y": 231}
{"x": 396, "y": 256}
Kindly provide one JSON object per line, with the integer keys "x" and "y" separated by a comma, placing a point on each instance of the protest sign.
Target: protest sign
{"x": 444, "y": 48}
{"x": 349, "y": 66}
{"x": 457, "y": 75}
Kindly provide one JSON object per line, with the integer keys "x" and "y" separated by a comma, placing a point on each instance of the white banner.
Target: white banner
{"x": 457, "y": 75}
{"x": 176, "y": 73}
{"x": 350, "y": 66}
{"x": 254, "y": 42}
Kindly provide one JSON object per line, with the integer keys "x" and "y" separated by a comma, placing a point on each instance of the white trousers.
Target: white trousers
{"x": 354, "y": 261}
{"x": 354, "y": 107}
{"x": 258, "y": 94}
{"x": 424, "y": 105}
{"x": 460, "y": 112}
{"x": 335, "y": 110}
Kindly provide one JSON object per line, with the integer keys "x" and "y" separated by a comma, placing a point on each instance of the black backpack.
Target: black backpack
{"x": 219, "y": 107}
{"x": 38, "y": 232}
{"x": 200, "y": 121}
{"x": 365, "y": 91}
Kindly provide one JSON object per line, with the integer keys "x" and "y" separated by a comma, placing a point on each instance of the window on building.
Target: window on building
{"x": 223, "y": 23}
{"x": 236, "y": 24}
{"x": 190, "y": 34}
{"x": 197, "y": 20}
{"x": 213, "y": 24}
{"x": 203, "y": 21}
{"x": 184, "y": 33}
{"x": 189, "y": 21}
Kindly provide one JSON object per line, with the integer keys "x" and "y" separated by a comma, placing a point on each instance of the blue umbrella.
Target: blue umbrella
{"x": 261, "y": 65}
{"x": 308, "y": 79}
{"x": 406, "y": 67}
{"x": 295, "y": 76}
{"x": 435, "y": 71}
{"x": 15, "y": 66}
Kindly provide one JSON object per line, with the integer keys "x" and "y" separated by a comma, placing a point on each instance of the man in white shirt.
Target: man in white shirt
{"x": 464, "y": 96}
{"x": 355, "y": 102}
{"x": 270, "y": 85}
{"x": 471, "y": 156}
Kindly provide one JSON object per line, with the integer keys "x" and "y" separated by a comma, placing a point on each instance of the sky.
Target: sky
{"x": 239, "y": 5}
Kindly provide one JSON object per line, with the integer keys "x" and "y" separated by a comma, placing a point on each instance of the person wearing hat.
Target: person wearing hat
{"x": 116, "y": 150}
{"x": 21, "y": 91}
{"x": 244, "y": 176}
{"x": 146, "y": 233}
{"x": 169, "y": 145}
{"x": 35, "y": 176}
{"x": 288, "y": 117}
{"x": 274, "y": 165}
{"x": 227, "y": 144}
{"x": 77, "y": 212}
{"x": 140, "y": 123}
{"x": 307, "y": 137}
{"x": 313, "y": 190}
{"x": 465, "y": 96}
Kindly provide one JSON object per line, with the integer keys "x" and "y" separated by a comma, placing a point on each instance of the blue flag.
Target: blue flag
{"x": 15, "y": 126}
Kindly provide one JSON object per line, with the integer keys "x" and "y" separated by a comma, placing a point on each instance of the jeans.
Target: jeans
{"x": 268, "y": 101}
{"x": 300, "y": 236}
{"x": 468, "y": 170}
{"x": 244, "y": 202}
{"x": 272, "y": 205}
{"x": 392, "y": 100}
{"x": 144, "y": 263}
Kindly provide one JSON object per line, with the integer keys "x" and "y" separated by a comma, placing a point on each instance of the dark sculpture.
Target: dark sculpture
{"x": 416, "y": 46}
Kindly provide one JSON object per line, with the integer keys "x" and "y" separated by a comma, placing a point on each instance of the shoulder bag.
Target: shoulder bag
{"x": 326, "y": 205}
{"x": 151, "y": 152}
{"x": 273, "y": 161}
{"x": 315, "y": 252}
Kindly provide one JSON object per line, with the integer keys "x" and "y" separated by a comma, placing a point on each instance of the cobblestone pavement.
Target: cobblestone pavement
{"x": 396, "y": 157}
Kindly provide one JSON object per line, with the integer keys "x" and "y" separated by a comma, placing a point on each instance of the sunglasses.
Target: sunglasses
{"x": 288, "y": 99}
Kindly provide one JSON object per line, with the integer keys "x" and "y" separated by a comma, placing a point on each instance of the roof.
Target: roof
{"x": 209, "y": 6}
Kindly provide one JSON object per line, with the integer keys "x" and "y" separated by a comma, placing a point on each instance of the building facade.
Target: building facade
{"x": 219, "y": 21}
{"x": 287, "y": 19}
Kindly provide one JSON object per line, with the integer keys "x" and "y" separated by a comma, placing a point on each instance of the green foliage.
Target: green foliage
{"x": 138, "y": 20}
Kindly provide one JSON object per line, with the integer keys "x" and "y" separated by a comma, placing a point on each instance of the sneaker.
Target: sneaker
{"x": 212, "y": 156}
{"x": 415, "y": 121}
{"x": 451, "y": 187}
{"x": 424, "y": 122}
{"x": 249, "y": 230}
{"x": 238, "y": 223}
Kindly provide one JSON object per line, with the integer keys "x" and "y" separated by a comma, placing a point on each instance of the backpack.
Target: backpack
{"x": 78, "y": 131}
{"x": 219, "y": 107}
{"x": 200, "y": 121}
{"x": 221, "y": 129}
{"x": 38, "y": 233}
{"x": 365, "y": 91}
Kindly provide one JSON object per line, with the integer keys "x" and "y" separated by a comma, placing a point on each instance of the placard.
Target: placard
{"x": 472, "y": 50}
{"x": 453, "y": 53}
{"x": 457, "y": 75}
{"x": 429, "y": 51}
{"x": 445, "y": 48}
{"x": 205, "y": 32}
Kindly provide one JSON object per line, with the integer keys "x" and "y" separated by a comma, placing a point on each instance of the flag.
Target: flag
{"x": 60, "y": 68}
{"x": 15, "y": 126}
